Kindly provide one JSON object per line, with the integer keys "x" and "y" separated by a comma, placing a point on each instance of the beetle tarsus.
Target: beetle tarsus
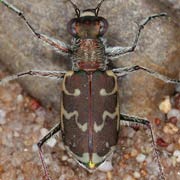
{"x": 52, "y": 132}
{"x": 46, "y": 173}
{"x": 145, "y": 122}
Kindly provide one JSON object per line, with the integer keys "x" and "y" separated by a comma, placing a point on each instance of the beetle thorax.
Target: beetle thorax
{"x": 89, "y": 55}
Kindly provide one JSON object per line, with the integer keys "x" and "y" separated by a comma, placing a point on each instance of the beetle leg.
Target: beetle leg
{"x": 53, "y": 131}
{"x": 128, "y": 120}
{"x": 124, "y": 71}
{"x": 48, "y": 74}
{"x": 115, "y": 52}
{"x": 60, "y": 46}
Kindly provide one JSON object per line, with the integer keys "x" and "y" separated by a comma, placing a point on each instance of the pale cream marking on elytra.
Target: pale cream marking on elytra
{"x": 70, "y": 115}
{"x": 85, "y": 158}
{"x": 103, "y": 91}
{"x": 107, "y": 144}
{"x": 77, "y": 92}
{"x": 98, "y": 128}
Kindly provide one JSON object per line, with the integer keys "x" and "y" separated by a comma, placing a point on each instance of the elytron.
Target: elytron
{"x": 90, "y": 115}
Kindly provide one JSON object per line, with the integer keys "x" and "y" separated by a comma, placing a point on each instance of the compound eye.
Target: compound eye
{"x": 103, "y": 26}
{"x": 72, "y": 27}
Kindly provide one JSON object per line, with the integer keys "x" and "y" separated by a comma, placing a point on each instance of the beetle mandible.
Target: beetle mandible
{"x": 90, "y": 103}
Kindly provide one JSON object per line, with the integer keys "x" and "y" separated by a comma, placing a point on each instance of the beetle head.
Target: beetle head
{"x": 87, "y": 24}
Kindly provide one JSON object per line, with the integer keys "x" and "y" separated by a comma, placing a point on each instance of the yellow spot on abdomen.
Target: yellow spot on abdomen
{"x": 91, "y": 165}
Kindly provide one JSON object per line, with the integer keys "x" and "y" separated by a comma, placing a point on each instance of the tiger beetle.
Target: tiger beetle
{"x": 90, "y": 117}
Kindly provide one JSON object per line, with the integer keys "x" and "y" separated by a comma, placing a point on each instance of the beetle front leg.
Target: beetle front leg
{"x": 60, "y": 46}
{"x": 52, "y": 132}
{"x": 39, "y": 73}
{"x": 126, "y": 70}
{"x": 115, "y": 52}
{"x": 131, "y": 120}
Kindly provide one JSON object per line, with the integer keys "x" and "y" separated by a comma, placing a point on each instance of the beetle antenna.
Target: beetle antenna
{"x": 75, "y": 8}
{"x": 98, "y": 7}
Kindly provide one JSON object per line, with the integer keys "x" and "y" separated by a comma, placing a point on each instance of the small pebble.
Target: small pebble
{"x": 51, "y": 142}
{"x": 128, "y": 177}
{"x": 134, "y": 152}
{"x": 126, "y": 156}
{"x": 34, "y": 105}
{"x": 64, "y": 158}
{"x": 174, "y": 113}
{"x": 161, "y": 142}
{"x": 165, "y": 105}
{"x": 143, "y": 172}
{"x": 170, "y": 128}
{"x": 157, "y": 121}
{"x": 177, "y": 155}
{"x": 170, "y": 147}
{"x": 43, "y": 131}
{"x": 61, "y": 146}
{"x": 140, "y": 157}
{"x": 47, "y": 160}
{"x": 16, "y": 125}
{"x": 16, "y": 134}
{"x": 20, "y": 98}
{"x": 173, "y": 120}
{"x": 2, "y": 117}
{"x": 34, "y": 148}
{"x": 20, "y": 177}
{"x": 62, "y": 177}
{"x": 72, "y": 162}
{"x": 109, "y": 175}
{"x": 136, "y": 174}
{"x": 130, "y": 132}
{"x": 41, "y": 112}
{"x": 106, "y": 166}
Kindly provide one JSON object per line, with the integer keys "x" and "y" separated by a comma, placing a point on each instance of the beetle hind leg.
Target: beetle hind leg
{"x": 131, "y": 120}
{"x": 52, "y": 132}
